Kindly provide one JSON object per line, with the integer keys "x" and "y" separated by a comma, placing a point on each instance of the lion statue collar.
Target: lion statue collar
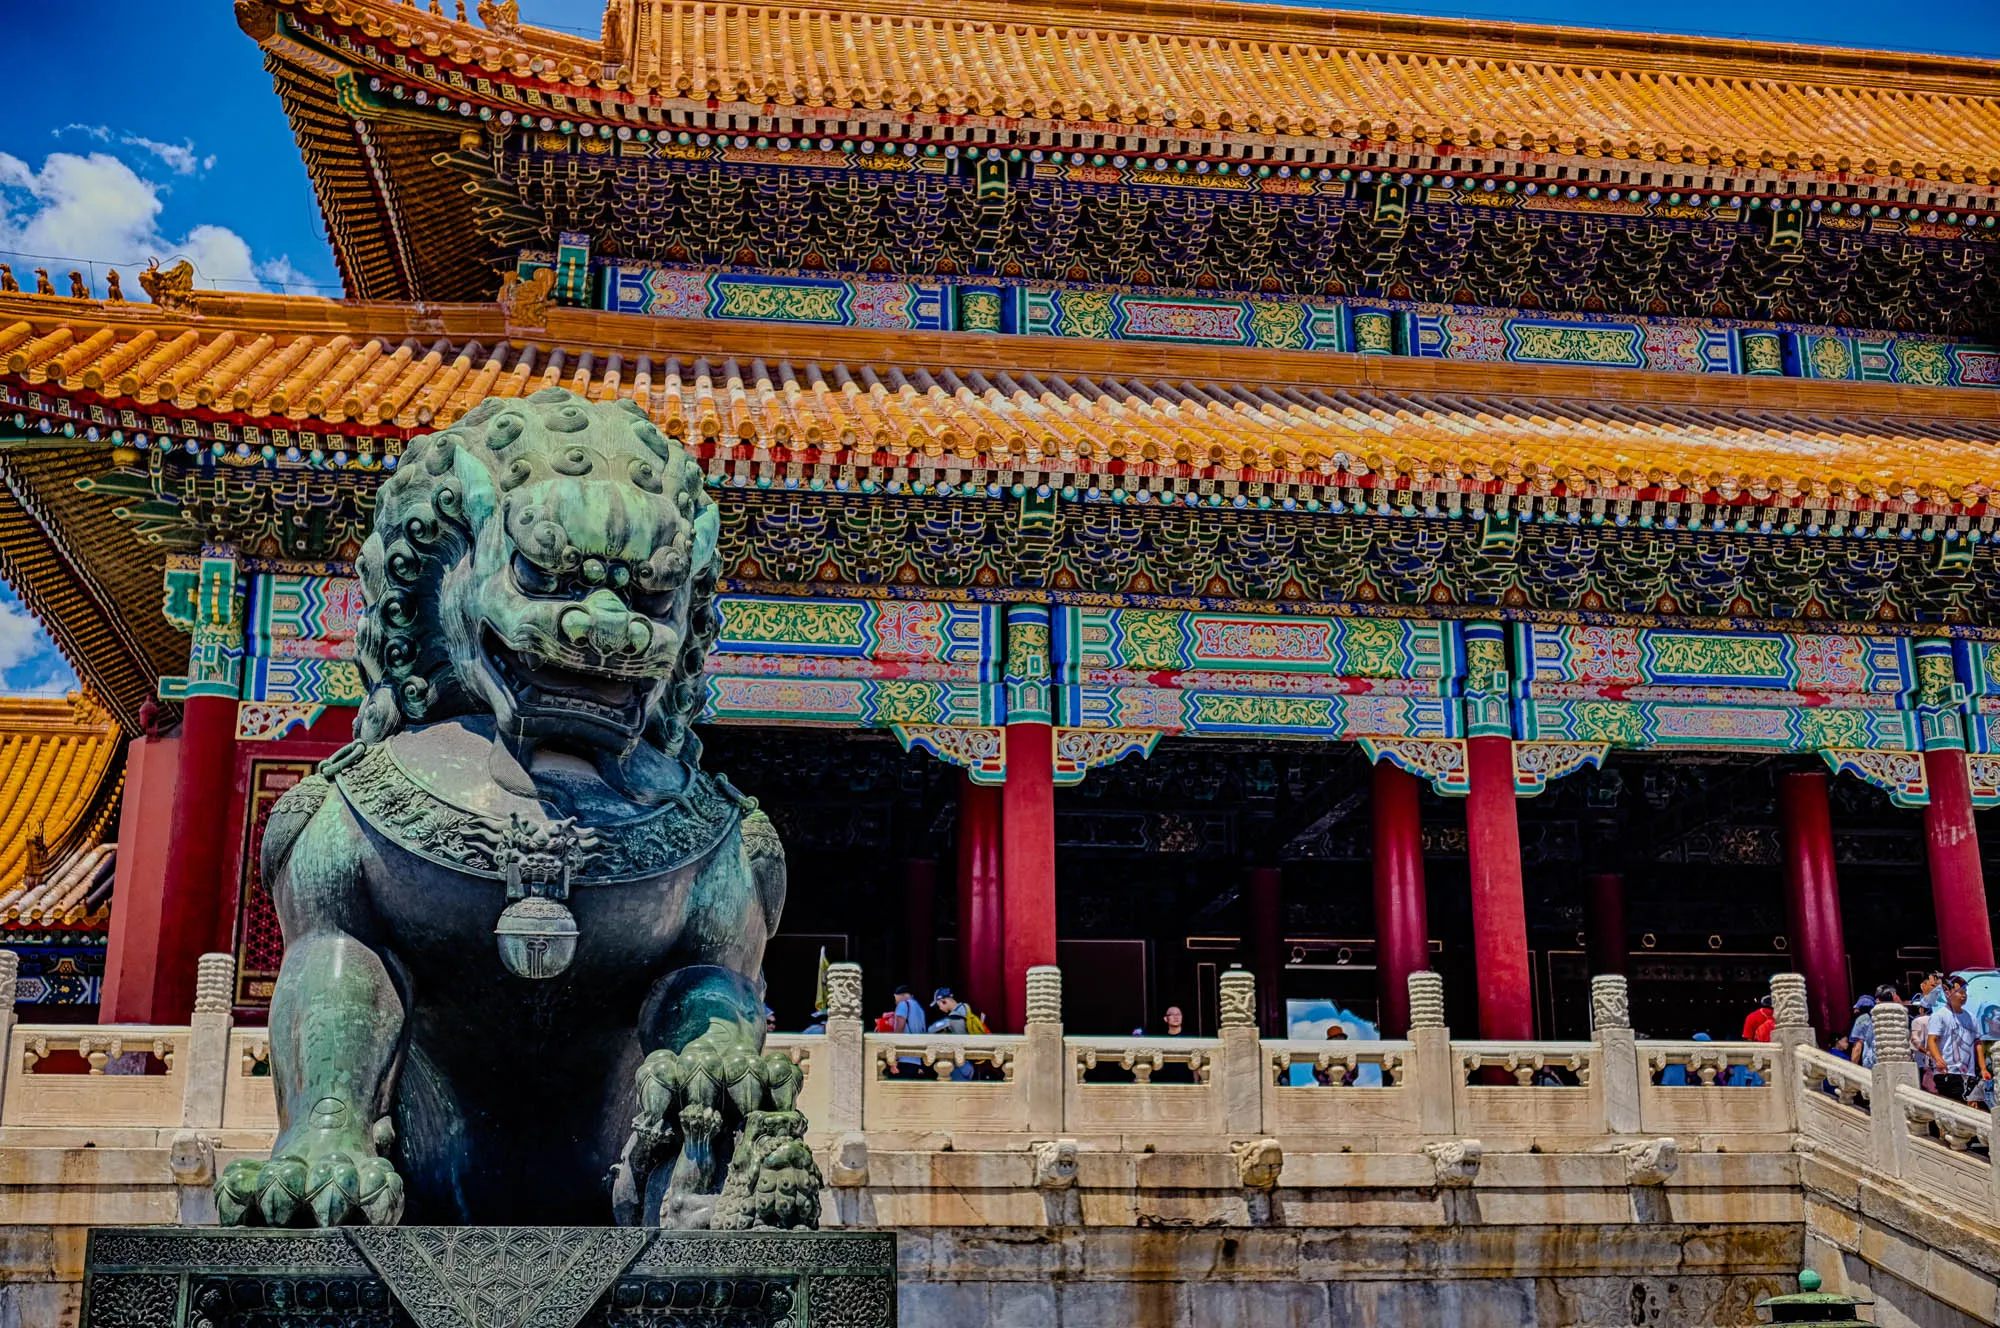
{"x": 490, "y": 837}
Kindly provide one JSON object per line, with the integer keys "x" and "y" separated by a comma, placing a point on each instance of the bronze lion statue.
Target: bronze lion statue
{"x": 524, "y": 929}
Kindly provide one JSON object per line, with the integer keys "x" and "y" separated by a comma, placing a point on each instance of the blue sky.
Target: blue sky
{"x": 138, "y": 128}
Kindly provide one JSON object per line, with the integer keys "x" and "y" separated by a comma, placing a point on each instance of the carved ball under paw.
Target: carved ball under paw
{"x": 788, "y": 1184}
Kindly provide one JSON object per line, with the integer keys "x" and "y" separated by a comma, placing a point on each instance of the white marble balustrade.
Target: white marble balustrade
{"x": 1139, "y": 1093}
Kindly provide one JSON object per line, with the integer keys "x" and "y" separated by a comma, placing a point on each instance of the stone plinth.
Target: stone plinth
{"x": 487, "y": 1277}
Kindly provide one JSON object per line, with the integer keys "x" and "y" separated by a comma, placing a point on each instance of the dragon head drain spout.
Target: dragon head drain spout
{"x": 548, "y": 561}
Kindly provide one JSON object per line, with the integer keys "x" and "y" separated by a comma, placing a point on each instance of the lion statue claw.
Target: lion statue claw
{"x": 518, "y": 914}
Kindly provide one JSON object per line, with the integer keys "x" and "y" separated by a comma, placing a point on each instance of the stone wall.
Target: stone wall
{"x": 1924, "y": 1266}
{"x": 1383, "y": 1276}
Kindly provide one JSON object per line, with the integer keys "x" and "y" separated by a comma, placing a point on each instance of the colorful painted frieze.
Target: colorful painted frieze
{"x": 1913, "y": 360}
{"x": 1314, "y": 323}
{"x": 1093, "y": 643}
{"x": 314, "y": 681}
{"x": 1669, "y": 345}
{"x": 846, "y": 702}
{"x": 1977, "y": 668}
{"x": 304, "y": 617}
{"x": 1764, "y": 691}
{"x": 300, "y": 641}
{"x": 58, "y": 974}
{"x": 1202, "y": 710}
{"x": 911, "y": 306}
{"x": 1268, "y": 675}
{"x": 889, "y": 631}
{"x": 1664, "y": 724}
{"x": 1098, "y": 315}
{"x": 1977, "y": 664}
{"x": 1614, "y": 660}
{"x": 855, "y": 663}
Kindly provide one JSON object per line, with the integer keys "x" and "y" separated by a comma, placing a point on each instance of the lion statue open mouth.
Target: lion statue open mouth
{"x": 524, "y": 929}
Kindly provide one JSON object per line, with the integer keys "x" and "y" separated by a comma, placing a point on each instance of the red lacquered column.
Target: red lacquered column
{"x": 980, "y": 910}
{"x": 1958, "y": 883}
{"x": 191, "y": 893}
{"x": 1402, "y": 925}
{"x": 1812, "y": 898}
{"x": 1264, "y": 898}
{"x": 1499, "y": 915}
{"x": 145, "y": 842}
{"x": 1604, "y": 925}
{"x": 1028, "y": 835}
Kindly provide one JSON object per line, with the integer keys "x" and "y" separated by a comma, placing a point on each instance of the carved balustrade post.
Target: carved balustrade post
{"x": 846, "y": 1066}
{"x": 1241, "y": 1071}
{"x": 1889, "y": 1132}
{"x": 10, "y": 973}
{"x": 1617, "y": 1052}
{"x": 1043, "y": 1056}
{"x": 1431, "y": 1055}
{"x": 208, "y": 1043}
{"x": 1793, "y": 1029}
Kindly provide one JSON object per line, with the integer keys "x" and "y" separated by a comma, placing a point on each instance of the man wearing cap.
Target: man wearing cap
{"x": 1861, "y": 1038}
{"x": 952, "y": 1013}
{"x": 1955, "y": 1047}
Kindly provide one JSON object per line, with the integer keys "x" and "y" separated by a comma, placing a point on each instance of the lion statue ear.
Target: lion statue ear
{"x": 379, "y": 716}
{"x": 707, "y": 532}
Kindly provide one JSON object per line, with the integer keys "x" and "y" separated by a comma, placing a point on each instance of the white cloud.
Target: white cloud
{"x": 21, "y": 637}
{"x": 29, "y": 662}
{"x": 95, "y": 212}
{"x": 279, "y": 274}
{"x": 102, "y": 133}
{"x": 179, "y": 157}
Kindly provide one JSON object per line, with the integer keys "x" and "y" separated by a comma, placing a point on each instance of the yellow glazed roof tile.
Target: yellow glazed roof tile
{"x": 55, "y": 753}
{"x": 1053, "y": 405}
{"x": 1257, "y": 68}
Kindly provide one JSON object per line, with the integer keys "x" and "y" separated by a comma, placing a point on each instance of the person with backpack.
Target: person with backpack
{"x": 907, "y": 1017}
{"x": 954, "y": 1017}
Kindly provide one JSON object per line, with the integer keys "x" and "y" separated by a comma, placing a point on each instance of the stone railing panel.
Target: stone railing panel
{"x": 1176, "y": 1083}
{"x": 808, "y": 1052}
{"x": 1719, "y": 1087}
{"x": 1830, "y": 1111}
{"x": 249, "y": 1094}
{"x": 1938, "y": 1162}
{"x": 1339, "y": 1087}
{"x": 1554, "y": 1089}
{"x": 913, "y": 1083}
{"x": 115, "y": 1081}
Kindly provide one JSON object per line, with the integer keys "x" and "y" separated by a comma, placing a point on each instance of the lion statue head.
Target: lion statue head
{"x": 548, "y": 560}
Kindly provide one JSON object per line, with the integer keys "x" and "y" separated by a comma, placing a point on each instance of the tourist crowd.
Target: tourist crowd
{"x": 1954, "y": 1055}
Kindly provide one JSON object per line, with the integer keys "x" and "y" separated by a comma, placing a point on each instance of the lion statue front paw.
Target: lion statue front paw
{"x": 328, "y": 1174}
